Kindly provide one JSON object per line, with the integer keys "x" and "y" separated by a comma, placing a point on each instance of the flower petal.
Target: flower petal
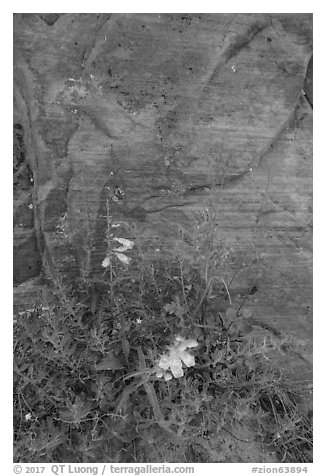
{"x": 176, "y": 363}
{"x": 164, "y": 362}
{"x": 106, "y": 262}
{"x": 191, "y": 343}
{"x": 182, "y": 346}
{"x": 127, "y": 244}
{"x": 187, "y": 359}
{"x": 121, "y": 249}
{"x": 177, "y": 370}
{"x": 167, "y": 377}
{"x": 123, "y": 258}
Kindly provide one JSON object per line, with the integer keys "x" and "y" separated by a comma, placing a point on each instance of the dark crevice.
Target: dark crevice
{"x": 23, "y": 176}
{"x": 177, "y": 205}
{"x": 50, "y": 18}
{"x": 308, "y": 83}
{"x": 307, "y": 99}
{"x": 243, "y": 40}
{"x": 27, "y": 261}
{"x": 88, "y": 51}
{"x": 19, "y": 150}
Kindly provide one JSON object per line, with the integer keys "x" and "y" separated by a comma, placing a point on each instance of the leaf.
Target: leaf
{"x": 76, "y": 411}
{"x": 169, "y": 308}
{"x": 244, "y": 328}
{"x": 109, "y": 363}
{"x": 46, "y": 442}
{"x": 125, "y": 347}
{"x": 230, "y": 316}
{"x": 175, "y": 308}
{"x": 69, "y": 346}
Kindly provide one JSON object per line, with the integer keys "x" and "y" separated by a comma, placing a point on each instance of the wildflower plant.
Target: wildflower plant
{"x": 118, "y": 252}
{"x": 172, "y": 361}
{"x": 148, "y": 374}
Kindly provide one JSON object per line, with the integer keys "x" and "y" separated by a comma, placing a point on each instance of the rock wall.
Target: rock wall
{"x": 156, "y": 111}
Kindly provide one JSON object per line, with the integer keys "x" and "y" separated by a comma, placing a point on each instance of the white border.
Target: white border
{"x": 319, "y": 187}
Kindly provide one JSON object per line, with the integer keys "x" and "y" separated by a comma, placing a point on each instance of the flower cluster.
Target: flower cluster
{"x": 171, "y": 362}
{"x": 119, "y": 252}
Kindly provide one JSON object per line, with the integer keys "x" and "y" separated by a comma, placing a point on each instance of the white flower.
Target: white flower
{"x": 164, "y": 362}
{"x": 126, "y": 245}
{"x": 28, "y": 416}
{"x": 176, "y": 356}
{"x": 119, "y": 252}
{"x": 162, "y": 373}
{"x": 185, "y": 343}
{"x": 187, "y": 359}
{"x": 123, "y": 258}
{"x": 106, "y": 262}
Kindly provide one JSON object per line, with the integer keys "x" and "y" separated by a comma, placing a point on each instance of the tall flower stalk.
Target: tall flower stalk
{"x": 114, "y": 252}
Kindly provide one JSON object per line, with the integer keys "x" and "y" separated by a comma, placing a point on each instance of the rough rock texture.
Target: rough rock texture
{"x": 155, "y": 111}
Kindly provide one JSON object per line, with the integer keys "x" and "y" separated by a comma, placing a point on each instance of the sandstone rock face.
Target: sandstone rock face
{"x": 156, "y": 111}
